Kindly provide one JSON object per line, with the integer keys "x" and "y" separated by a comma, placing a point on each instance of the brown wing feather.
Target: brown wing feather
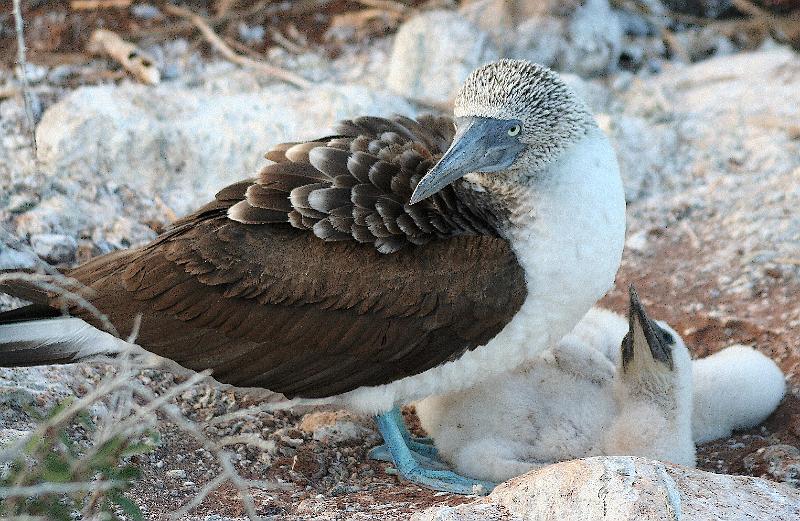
{"x": 356, "y": 186}
{"x": 273, "y": 306}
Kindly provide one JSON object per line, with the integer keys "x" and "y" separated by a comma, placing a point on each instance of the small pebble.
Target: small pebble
{"x": 176, "y": 474}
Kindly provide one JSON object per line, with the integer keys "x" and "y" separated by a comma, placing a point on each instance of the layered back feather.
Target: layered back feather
{"x": 356, "y": 185}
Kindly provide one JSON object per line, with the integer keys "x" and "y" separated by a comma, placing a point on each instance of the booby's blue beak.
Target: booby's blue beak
{"x": 480, "y": 145}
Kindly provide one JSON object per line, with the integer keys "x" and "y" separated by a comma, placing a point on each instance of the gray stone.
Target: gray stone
{"x": 145, "y": 11}
{"x": 54, "y": 247}
{"x": 779, "y": 462}
{"x": 15, "y": 260}
{"x": 706, "y": 8}
{"x": 594, "y": 35}
{"x": 433, "y": 53}
{"x": 175, "y": 474}
{"x": 185, "y": 144}
{"x": 626, "y": 489}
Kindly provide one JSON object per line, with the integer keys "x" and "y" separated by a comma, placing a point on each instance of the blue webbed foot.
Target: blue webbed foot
{"x": 382, "y": 453}
{"x": 421, "y": 445}
{"x": 414, "y": 463}
{"x": 447, "y": 481}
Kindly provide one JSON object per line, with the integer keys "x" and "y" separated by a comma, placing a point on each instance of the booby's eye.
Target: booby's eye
{"x": 513, "y": 131}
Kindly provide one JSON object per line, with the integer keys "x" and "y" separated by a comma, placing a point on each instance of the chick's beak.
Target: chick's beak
{"x": 641, "y": 334}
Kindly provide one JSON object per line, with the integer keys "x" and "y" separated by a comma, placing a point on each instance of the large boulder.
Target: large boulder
{"x": 584, "y": 38}
{"x": 710, "y": 124}
{"x": 433, "y": 54}
{"x": 624, "y": 488}
{"x": 184, "y": 144}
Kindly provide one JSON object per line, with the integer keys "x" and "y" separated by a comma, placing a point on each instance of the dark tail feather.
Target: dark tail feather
{"x": 30, "y": 312}
{"x": 38, "y": 335}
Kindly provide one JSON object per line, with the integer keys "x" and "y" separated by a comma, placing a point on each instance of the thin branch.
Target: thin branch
{"x": 224, "y": 49}
{"x": 58, "y": 488}
{"x": 264, "y": 406}
{"x": 198, "y": 498}
{"x": 749, "y": 8}
{"x": 23, "y": 62}
{"x": 386, "y": 5}
{"x": 65, "y": 296}
{"x": 141, "y": 65}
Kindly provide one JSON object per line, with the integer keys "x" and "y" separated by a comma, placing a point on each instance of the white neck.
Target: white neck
{"x": 568, "y": 238}
{"x": 568, "y": 235}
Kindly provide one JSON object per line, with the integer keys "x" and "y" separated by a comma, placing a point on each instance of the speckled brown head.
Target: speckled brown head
{"x": 510, "y": 115}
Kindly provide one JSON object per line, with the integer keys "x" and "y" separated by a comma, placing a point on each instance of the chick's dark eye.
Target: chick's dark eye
{"x": 514, "y": 130}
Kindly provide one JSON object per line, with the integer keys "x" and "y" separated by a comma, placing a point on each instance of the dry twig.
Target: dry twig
{"x": 136, "y": 61}
{"x": 387, "y": 5}
{"x": 23, "y": 63}
{"x": 223, "y": 48}
{"x": 86, "y": 5}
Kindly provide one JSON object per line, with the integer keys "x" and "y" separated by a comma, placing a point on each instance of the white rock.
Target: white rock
{"x": 11, "y": 436}
{"x": 433, "y": 54}
{"x": 145, "y": 11}
{"x": 628, "y": 489}
{"x": 176, "y": 474}
{"x": 594, "y": 36}
{"x": 468, "y": 512}
{"x": 15, "y": 260}
{"x": 539, "y": 39}
{"x": 185, "y": 144}
{"x": 54, "y": 247}
{"x": 637, "y": 241}
{"x": 707, "y": 145}
{"x": 643, "y": 148}
{"x": 583, "y": 39}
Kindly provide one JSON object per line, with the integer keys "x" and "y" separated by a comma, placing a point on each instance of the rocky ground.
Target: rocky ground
{"x": 705, "y": 123}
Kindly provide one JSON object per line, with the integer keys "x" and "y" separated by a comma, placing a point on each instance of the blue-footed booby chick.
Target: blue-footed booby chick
{"x": 610, "y": 387}
{"x": 389, "y": 261}
{"x": 735, "y": 388}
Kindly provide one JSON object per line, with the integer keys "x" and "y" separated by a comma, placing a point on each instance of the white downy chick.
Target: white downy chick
{"x": 577, "y": 400}
{"x": 653, "y": 393}
{"x": 736, "y": 388}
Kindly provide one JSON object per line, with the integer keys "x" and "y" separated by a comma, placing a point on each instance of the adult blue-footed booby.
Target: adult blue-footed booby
{"x": 396, "y": 259}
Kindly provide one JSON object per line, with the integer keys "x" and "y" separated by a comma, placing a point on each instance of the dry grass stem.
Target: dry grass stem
{"x": 224, "y": 49}
{"x": 57, "y": 488}
{"x": 23, "y": 63}
{"x": 387, "y": 5}
{"x": 134, "y": 60}
{"x": 86, "y": 5}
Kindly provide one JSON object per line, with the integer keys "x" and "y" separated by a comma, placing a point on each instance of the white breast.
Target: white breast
{"x": 568, "y": 239}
